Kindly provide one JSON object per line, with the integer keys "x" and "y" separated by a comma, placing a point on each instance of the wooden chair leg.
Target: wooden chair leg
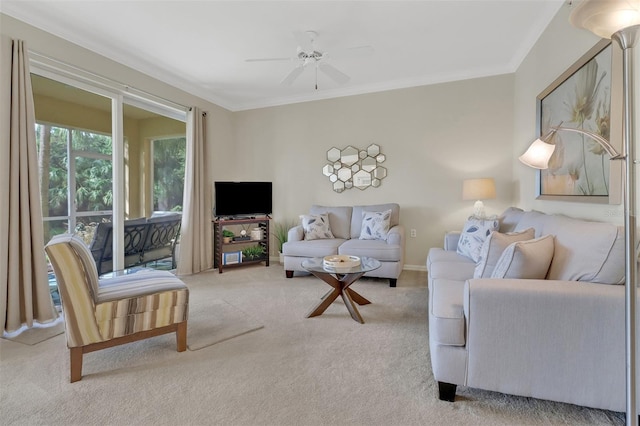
{"x": 75, "y": 361}
{"x": 181, "y": 336}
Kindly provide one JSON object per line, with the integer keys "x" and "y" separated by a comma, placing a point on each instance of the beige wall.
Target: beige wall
{"x": 433, "y": 138}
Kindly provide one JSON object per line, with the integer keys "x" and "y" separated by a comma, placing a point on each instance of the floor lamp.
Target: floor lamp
{"x": 618, "y": 20}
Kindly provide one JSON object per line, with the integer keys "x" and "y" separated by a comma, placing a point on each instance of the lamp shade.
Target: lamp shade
{"x": 478, "y": 189}
{"x": 538, "y": 154}
{"x": 605, "y": 17}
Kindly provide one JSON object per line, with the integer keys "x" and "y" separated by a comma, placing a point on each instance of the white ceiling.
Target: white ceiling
{"x": 201, "y": 46}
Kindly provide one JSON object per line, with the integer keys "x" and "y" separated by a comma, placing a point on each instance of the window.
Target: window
{"x": 168, "y": 173}
{"x": 76, "y": 170}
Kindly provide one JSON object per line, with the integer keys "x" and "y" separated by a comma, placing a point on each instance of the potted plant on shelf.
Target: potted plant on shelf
{"x": 252, "y": 253}
{"x": 281, "y": 232}
{"x": 227, "y": 236}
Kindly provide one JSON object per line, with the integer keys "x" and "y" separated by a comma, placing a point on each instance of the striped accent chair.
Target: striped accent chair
{"x": 101, "y": 313}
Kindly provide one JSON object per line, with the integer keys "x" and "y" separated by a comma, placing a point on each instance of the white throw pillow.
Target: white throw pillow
{"x": 316, "y": 226}
{"x": 493, "y": 247}
{"x": 375, "y": 225}
{"x": 526, "y": 259}
{"x": 473, "y": 235}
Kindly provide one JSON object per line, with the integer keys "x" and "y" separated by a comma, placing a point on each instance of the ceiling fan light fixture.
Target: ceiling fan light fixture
{"x": 308, "y": 55}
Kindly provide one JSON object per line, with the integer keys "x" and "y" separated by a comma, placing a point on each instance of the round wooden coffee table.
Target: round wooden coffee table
{"x": 340, "y": 281}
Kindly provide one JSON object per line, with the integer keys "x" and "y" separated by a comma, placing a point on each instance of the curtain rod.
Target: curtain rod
{"x": 56, "y": 65}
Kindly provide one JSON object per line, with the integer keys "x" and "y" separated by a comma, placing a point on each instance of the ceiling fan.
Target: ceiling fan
{"x": 309, "y": 55}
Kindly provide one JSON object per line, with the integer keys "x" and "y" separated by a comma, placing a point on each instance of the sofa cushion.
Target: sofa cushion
{"x": 586, "y": 251}
{"x": 458, "y": 271}
{"x": 449, "y": 264}
{"x": 316, "y": 226}
{"x": 356, "y": 217}
{"x": 494, "y": 246}
{"x": 375, "y": 225}
{"x": 438, "y": 254}
{"x": 313, "y": 248}
{"x": 509, "y": 219}
{"x": 447, "y": 322}
{"x": 525, "y": 259}
{"x": 339, "y": 219}
{"x": 473, "y": 235}
{"x": 535, "y": 220}
{"x": 378, "y": 249}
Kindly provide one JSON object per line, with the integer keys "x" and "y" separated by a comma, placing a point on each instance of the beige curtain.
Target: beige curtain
{"x": 24, "y": 287}
{"x": 195, "y": 253}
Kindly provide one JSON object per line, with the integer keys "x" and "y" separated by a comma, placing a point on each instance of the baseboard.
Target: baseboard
{"x": 420, "y": 268}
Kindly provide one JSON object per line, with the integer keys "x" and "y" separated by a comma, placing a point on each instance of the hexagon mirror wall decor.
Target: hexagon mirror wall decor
{"x": 351, "y": 167}
{"x": 333, "y": 155}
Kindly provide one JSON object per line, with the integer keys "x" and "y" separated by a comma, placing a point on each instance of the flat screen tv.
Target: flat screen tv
{"x": 242, "y": 199}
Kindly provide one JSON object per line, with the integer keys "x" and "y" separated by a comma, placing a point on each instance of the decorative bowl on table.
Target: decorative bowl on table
{"x": 340, "y": 263}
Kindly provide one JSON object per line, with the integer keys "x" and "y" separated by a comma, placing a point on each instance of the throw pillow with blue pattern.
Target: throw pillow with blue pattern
{"x": 375, "y": 225}
{"x": 316, "y": 226}
{"x": 473, "y": 235}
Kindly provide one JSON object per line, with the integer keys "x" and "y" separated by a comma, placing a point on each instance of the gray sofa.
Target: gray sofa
{"x": 561, "y": 338}
{"x": 346, "y": 223}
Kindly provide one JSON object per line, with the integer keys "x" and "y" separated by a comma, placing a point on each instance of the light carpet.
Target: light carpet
{"x": 327, "y": 370}
{"x": 216, "y": 321}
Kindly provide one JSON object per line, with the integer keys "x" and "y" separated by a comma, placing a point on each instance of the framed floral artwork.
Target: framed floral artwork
{"x": 580, "y": 170}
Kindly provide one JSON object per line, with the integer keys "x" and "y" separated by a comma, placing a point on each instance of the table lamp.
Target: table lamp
{"x": 478, "y": 189}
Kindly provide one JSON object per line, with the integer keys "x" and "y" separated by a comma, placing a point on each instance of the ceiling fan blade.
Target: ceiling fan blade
{"x": 336, "y": 75}
{"x": 293, "y": 75}
{"x": 305, "y": 42}
{"x": 268, "y": 59}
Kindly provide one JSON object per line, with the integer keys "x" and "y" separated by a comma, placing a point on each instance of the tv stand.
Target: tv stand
{"x": 228, "y": 254}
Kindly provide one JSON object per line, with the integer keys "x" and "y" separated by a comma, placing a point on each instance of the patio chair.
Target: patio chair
{"x": 101, "y": 313}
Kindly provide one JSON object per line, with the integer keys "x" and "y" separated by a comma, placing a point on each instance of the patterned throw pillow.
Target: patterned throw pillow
{"x": 316, "y": 226}
{"x": 473, "y": 235}
{"x": 375, "y": 225}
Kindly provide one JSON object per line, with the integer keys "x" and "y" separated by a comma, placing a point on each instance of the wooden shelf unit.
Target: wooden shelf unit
{"x": 220, "y": 247}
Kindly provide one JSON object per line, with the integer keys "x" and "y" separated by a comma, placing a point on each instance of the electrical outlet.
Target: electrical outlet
{"x": 414, "y": 233}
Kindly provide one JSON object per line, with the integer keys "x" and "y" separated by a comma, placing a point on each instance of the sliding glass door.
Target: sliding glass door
{"x": 104, "y": 157}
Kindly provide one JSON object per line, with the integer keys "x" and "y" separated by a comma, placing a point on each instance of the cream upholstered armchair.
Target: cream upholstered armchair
{"x": 101, "y": 313}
